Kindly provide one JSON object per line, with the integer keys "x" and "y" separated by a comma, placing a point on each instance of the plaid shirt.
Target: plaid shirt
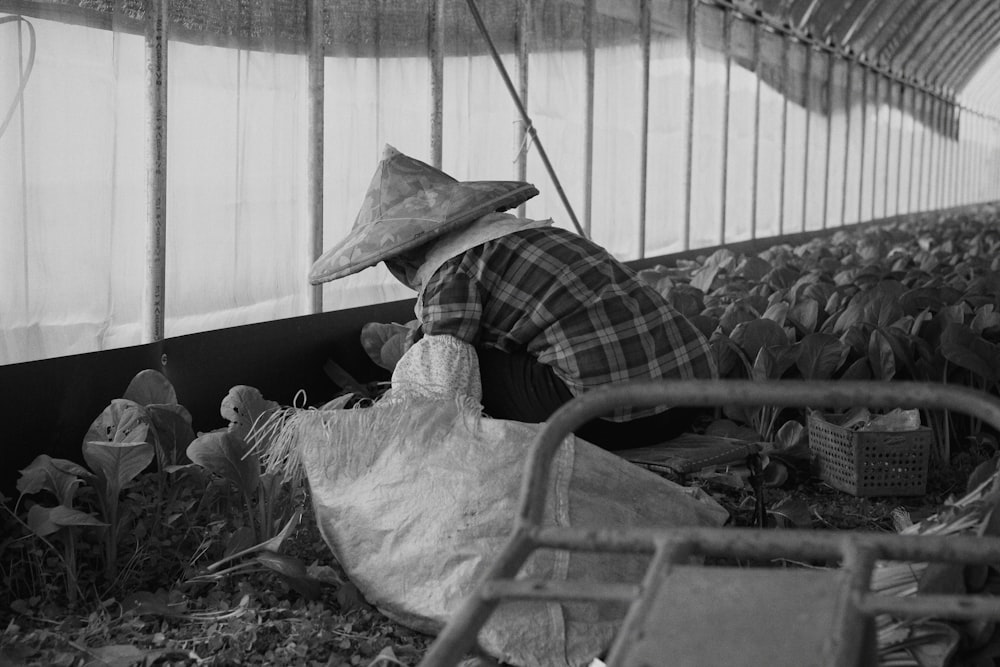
{"x": 567, "y": 302}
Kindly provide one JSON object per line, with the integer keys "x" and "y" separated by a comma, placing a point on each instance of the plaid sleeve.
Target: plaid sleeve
{"x": 452, "y": 304}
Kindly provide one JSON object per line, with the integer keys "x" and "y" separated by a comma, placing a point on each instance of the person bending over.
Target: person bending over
{"x": 547, "y": 314}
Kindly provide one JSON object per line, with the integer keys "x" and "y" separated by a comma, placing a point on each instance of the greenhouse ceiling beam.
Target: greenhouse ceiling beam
{"x": 917, "y": 39}
{"x": 973, "y": 40}
{"x": 965, "y": 67}
{"x": 887, "y": 30}
{"x": 869, "y": 33}
{"x": 917, "y": 22}
{"x": 828, "y": 28}
{"x": 959, "y": 28}
{"x": 851, "y": 21}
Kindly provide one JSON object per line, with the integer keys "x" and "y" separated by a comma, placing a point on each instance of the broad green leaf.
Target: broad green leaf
{"x": 856, "y": 337}
{"x": 764, "y": 366}
{"x": 245, "y": 408}
{"x": 172, "y": 424}
{"x": 782, "y": 277}
{"x": 858, "y": 370}
{"x": 965, "y": 348}
{"x": 60, "y": 477}
{"x": 149, "y": 387}
{"x": 776, "y": 312}
{"x": 820, "y": 356}
{"x": 880, "y": 356}
{"x": 735, "y": 314}
{"x": 44, "y": 521}
{"x": 719, "y": 260}
{"x": 686, "y": 300}
{"x": 294, "y": 572}
{"x": 986, "y": 318}
{"x": 878, "y": 306}
{"x": 227, "y": 455}
{"x": 805, "y": 314}
{"x": 754, "y": 268}
{"x": 791, "y": 434}
{"x": 752, "y": 336}
{"x": 123, "y": 422}
{"x": 117, "y": 464}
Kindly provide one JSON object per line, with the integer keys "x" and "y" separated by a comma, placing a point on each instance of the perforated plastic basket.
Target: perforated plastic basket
{"x": 870, "y": 463}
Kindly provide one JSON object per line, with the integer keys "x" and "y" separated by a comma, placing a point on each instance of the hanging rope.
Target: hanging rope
{"x": 24, "y": 75}
{"x": 529, "y": 126}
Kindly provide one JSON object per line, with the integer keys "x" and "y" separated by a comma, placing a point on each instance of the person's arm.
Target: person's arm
{"x": 452, "y": 304}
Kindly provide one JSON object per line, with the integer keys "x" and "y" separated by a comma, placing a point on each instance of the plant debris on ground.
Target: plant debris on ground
{"x": 166, "y": 547}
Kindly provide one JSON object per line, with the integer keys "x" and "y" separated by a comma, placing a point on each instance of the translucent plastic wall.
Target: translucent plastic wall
{"x": 669, "y": 128}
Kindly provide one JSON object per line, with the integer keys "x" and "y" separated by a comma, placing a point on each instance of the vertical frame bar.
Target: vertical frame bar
{"x": 848, "y": 104}
{"x": 317, "y": 43}
{"x": 899, "y": 144}
{"x": 956, "y": 192}
{"x": 828, "y": 108}
{"x": 924, "y": 115}
{"x": 945, "y": 123}
{"x": 589, "y": 8}
{"x": 154, "y": 294}
{"x": 437, "y": 81}
{"x": 878, "y": 103}
{"x": 692, "y": 26}
{"x": 524, "y": 10}
{"x": 727, "y": 47}
{"x": 864, "y": 133}
{"x": 784, "y": 137}
{"x": 937, "y": 159}
{"x": 645, "y": 36}
{"x": 755, "y": 178}
{"x": 806, "y": 98}
{"x": 914, "y": 115}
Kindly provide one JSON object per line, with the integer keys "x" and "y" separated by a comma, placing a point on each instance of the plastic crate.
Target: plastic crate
{"x": 870, "y": 463}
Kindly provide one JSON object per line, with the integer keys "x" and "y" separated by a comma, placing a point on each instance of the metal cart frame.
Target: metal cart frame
{"x": 857, "y": 551}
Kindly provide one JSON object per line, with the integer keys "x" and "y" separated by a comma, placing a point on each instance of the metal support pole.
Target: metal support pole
{"x": 877, "y": 123}
{"x": 864, "y": 132}
{"x": 899, "y": 148}
{"x": 956, "y": 159}
{"x": 829, "y": 131}
{"x": 645, "y": 37}
{"x": 937, "y": 156}
{"x": 756, "y": 132}
{"x": 921, "y": 188}
{"x": 154, "y": 295}
{"x": 317, "y": 40}
{"x": 437, "y": 81}
{"x": 692, "y": 26}
{"x": 848, "y": 106}
{"x": 524, "y": 9}
{"x": 726, "y": 45}
{"x": 913, "y": 149}
{"x": 806, "y": 94}
{"x": 588, "y": 141}
{"x": 784, "y": 137}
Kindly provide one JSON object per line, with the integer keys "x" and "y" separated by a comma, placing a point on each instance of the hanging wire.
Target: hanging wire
{"x": 19, "y": 95}
{"x": 529, "y": 126}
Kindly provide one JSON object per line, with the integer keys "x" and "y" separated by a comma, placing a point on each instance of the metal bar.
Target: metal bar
{"x": 848, "y": 104}
{"x": 913, "y": 149}
{"x": 807, "y": 150}
{"x": 437, "y": 81}
{"x": 154, "y": 293}
{"x": 726, "y": 45}
{"x": 864, "y": 132}
{"x": 524, "y": 114}
{"x": 956, "y": 168}
{"x": 704, "y": 393}
{"x": 645, "y": 38}
{"x": 922, "y": 203}
{"x": 692, "y": 19}
{"x": 784, "y": 138}
{"x": 968, "y": 607}
{"x": 888, "y": 148}
{"x": 459, "y": 635}
{"x": 932, "y": 12}
{"x": 939, "y": 159}
{"x": 966, "y": 66}
{"x": 899, "y": 148}
{"x": 930, "y": 49}
{"x": 524, "y": 9}
{"x": 570, "y": 591}
{"x": 876, "y": 126}
{"x": 890, "y": 25}
{"x": 755, "y": 169}
{"x": 666, "y": 554}
{"x": 829, "y": 132}
{"x": 858, "y": 564}
{"x": 588, "y": 139}
{"x": 317, "y": 42}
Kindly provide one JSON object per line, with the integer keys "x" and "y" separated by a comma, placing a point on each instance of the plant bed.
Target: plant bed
{"x": 168, "y": 547}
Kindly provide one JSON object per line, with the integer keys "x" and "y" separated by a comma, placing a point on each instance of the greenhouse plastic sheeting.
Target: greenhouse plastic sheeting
{"x": 73, "y": 201}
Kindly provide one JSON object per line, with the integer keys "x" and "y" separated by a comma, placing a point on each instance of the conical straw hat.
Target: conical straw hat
{"x": 408, "y": 204}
